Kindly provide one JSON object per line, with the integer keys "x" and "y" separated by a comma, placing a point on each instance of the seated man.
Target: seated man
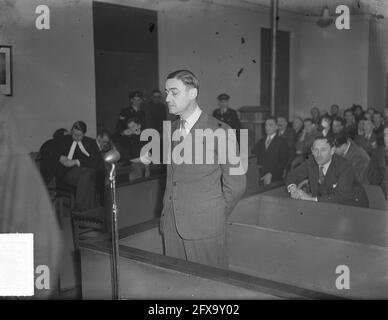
{"x": 48, "y": 161}
{"x": 81, "y": 165}
{"x": 304, "y": 142}
{"x": 356, "y": 155}
{"x": 378, "y": 167}
{"x": 331, "y": 178}
{"x": 367, "y": 141}
{"x": 104, "y": 142}
{"x": 272, "y": 153}
{"x": 134, "y": 110}
{"x": 350, "y": 123}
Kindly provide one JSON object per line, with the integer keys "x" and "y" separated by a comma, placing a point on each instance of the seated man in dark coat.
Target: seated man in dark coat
{"x": 226, "y": 114}
{"x": 357, "y": 156}
{"x": 81, "y": 165}
{"x": 48, "y": 153}
{"x": 378, "y": 166}
{"x": 272, "y": 153}
{"x": 331, "y": 178}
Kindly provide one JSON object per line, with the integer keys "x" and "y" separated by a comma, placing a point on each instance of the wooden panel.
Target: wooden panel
{"x": 376, "y": 197}
{"x": 307, "y": 261}
{"x": 320, "y": 219}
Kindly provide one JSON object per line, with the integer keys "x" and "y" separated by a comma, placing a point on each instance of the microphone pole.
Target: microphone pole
{"x": 112, "y": 157}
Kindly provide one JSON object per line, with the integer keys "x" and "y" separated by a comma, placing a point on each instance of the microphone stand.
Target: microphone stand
{"x": 115, "y": 234}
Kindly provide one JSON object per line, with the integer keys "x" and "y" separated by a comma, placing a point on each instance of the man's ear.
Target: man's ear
{"x": 193, "y": 93}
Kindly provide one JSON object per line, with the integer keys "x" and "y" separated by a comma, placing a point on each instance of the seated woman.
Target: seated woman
{"x": 81, "y": 166}
{"x": 378, "y": 166}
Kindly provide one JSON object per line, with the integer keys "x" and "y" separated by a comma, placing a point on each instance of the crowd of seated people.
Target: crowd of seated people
{"x": 355, "y": 140}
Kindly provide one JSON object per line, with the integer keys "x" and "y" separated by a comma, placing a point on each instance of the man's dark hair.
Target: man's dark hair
{"x": 329, "y": 138}
{"x": 136, "y": 94}
{"x": 308, "y": 120}
{"x": 133, "y": 119}
{"x": 339, "y": 119}
{"x": 186, "y": 76}
{"x": 103, "y": 132}
{"x": 341, "y": 138}
{"x": 271, "y": 118}
{"x": 80, "y": 125}
{"x": 60, "y": 133}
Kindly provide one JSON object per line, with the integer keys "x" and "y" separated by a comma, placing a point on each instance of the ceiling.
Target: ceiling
{"x": 314, "y": 7}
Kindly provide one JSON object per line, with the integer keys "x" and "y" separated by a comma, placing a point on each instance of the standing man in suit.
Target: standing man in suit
{"x": 226, "y": 114}
{"x": 198, "y": 197}
{"x": 272, "y": 153}
{"x": 331, "y": 178}
{"x": 357, "y": 156}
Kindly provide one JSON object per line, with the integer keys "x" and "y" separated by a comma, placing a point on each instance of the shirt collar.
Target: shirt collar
{"x": 271, "y": 136}
{"x": 326, "y": 167}
{"x": 347, "y": 149}
{"x": 192, "y": 119}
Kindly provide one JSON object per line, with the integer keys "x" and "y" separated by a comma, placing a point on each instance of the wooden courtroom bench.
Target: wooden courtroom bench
{"x": 320, "y": 219}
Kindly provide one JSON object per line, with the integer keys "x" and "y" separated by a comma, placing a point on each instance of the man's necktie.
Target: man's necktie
{"x": 267, "y": 142}
{"x": 321, "y": 179}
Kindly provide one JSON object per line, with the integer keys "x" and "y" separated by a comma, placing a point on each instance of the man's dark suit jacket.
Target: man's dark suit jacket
{"x": 274, "y": 159}
{"x": 367, "y": 144}
{"x": 359, "y": 159}
{"x": 340, "y": 182}
{"x": 230, "y": 117}
{"x": 201, "y": 196}
{"x": 290, "y": 135}
{"x": 378, "y": 169}
{"x": 94, "y": 161}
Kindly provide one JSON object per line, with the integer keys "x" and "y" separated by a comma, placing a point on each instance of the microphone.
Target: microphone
{"x": 112, "y": 156}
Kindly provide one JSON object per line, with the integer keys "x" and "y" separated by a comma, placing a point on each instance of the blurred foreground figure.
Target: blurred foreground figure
{"x": 25, "y": 206}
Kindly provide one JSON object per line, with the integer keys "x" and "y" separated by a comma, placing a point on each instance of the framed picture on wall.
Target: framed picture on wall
{"x": 6, "y": 70}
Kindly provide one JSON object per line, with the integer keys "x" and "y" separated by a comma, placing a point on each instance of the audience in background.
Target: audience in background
{"x": 350, "y": 123}
{"x": 325, "y": 125}
{"x": 272, "y": 153}
{"x": 315, "y": 115}
{"x": 360, "y": 127}
{"x": 358, "y": 112}
{"x": 334, "y": 110}
{"x": 134, "y": 110}
{"x": 303, "y": 145}
{"x": 367, "y": 140}
{"x": 357, "y": 156}
{"x": 337, "y": 125}
{"x": 226, "y": 114}
{"x": 378, "y": 167}
{"x": 155, "y": 112}
{"x": 378, "y": 124}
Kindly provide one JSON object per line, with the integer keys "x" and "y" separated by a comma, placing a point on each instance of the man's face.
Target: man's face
{"x": 334, "y": 109}
{"x": 270, "y": 127}
{"x": 104, "y": 142}
{"x": 337, "y": 126}
{"x": 179, "y": 97}
{"x": 314, "y": 112}
{"x": 77, "y": 134}
{"x": 322, "y": 151}
{"x": 341, "y": 150}
{"x": 156, "y": 97}
{"x": 368, "y": 126}
{"x": 223, "y": 104}
{"x": 325, "y": 123}
{"x": 297, "y": 124}
{"x": 136, "y": 102}
{"x": 308, "y": 127}
{"x": 282, "y": 123}
{"x": 349, "y": 118}
{"x": 134, "y": 127}
{"x": 377, "y": 120}
{"x": 361, "y": 125}
{"x": 386, "y": 137}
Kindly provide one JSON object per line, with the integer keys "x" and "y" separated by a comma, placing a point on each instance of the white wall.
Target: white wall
{"x": 331, "y": 66}
{"x": 53, "y": 70}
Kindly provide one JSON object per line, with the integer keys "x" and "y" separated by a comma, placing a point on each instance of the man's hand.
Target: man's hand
{"x": 267, "y": 178}
{"x": 69, "y": 163}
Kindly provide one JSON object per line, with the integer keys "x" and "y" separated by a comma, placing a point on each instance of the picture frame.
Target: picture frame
{"x": 6, "y": 70}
